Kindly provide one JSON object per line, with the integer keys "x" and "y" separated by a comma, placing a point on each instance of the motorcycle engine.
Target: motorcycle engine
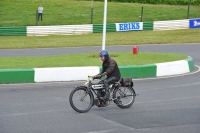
{"x": 101, "y": 93}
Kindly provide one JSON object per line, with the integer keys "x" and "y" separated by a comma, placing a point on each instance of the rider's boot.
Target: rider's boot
{"x": 106, "y": 96}
{"x": 96, "y": 102}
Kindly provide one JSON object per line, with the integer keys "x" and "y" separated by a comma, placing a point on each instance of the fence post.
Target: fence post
{"x": 188, "y": 11}
{"x": 92, "y": 4}
{"x": 91, "y": 16}
{"x": 141, "y": 16}
{"x": 36, "y": 17}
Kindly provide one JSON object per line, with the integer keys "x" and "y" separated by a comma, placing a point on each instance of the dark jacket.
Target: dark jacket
{"x": 110, "y": 66}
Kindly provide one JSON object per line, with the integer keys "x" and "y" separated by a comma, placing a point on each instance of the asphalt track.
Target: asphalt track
{"x": 165, "y": 105}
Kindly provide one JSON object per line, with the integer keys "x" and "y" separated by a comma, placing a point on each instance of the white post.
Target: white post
{"x": 104, "y": 25}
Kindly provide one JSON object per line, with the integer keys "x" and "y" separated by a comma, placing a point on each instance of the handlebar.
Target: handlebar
{"x": 90, "y": 78}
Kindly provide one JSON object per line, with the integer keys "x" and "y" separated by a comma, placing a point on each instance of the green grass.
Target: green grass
{"x": 119, "y": 38}
{"x": 122, "y": 58}
{"x": 66, "y": 12}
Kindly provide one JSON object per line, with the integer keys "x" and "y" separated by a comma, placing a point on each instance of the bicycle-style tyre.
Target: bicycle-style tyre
{"x": 124, "y": 97}
{"x": 80, "y": 100}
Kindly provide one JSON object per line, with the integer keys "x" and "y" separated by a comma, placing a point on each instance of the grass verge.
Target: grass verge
{"x": 116, "y": 38}
{"x": 66, "y": 12}
{"x": 89, "y": 59}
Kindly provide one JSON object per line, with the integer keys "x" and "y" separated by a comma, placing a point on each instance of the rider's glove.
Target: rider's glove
{"x": 100, "y": 75}
{"x": 104, "y": 74}
{"x": 97, "y": 76}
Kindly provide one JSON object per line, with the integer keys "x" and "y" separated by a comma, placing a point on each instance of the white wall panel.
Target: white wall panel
{"x": 172, "y": 68}
{"x": 64, "y": 73}
{"x": 59, "y": 30}
{"x": 171, "y": 25}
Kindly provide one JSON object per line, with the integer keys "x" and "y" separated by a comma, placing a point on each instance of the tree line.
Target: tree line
{"x": 171, "y": 2}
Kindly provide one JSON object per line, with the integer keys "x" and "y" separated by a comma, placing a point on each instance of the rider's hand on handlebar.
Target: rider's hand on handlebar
{"x": 100, "y": 75}
{"x": 97, "y": 76}
{"x": 104, "y": 74}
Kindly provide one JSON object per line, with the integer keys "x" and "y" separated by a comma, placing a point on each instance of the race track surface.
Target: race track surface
{"x": 165, "y": 105}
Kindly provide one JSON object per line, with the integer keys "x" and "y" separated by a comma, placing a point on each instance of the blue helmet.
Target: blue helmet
{"x": 104, "y": 53}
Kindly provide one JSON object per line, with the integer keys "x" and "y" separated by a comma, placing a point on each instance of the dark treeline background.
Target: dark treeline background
{"x": 171, "y": 2}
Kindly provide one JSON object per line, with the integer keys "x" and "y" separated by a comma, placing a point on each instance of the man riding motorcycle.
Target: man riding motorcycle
{"x": 109, "y": 69}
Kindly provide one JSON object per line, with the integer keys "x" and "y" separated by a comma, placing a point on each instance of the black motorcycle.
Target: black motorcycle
{"x": 121, "y": 93}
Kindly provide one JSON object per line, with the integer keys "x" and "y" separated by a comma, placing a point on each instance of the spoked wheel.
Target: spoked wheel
{"x": 124, "y": 97}
{"x": 80, "y": 100}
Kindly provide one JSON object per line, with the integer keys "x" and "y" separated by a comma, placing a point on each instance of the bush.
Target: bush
{"x": 171, "y": 2}
{"x": 96, "y": 55}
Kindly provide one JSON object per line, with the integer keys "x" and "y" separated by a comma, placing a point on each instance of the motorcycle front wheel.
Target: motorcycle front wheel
{"x": 81, "y": 100}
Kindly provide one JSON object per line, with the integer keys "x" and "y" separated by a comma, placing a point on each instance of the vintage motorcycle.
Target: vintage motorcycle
{"x": 121, "y": 93}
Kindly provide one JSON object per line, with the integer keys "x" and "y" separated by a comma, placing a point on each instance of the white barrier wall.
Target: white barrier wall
{"x": 171, "y": 25}
{"x": 59, "y": 30}
{"x": 64, "y": 73}
{"x": 81, "y": 73}
{"x": 172, "y": 68}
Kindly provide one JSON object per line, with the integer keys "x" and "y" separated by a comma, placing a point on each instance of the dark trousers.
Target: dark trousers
{"x": 39, "y": 15}
{"x": 109, "y": 81}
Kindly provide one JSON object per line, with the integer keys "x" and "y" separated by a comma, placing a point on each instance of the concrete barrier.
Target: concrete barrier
{"x": 97, "y": 28}
{"x": 171, "y": 25}
{"x": 172, "y": 68}
{"x": 64, "y": 73}
{"x": 81, "y": 73}
{"x": 59, "y": 30}
{"x": 16, "y": 75}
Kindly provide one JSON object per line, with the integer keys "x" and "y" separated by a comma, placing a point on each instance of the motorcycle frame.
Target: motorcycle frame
{"x": 90, "y": 88}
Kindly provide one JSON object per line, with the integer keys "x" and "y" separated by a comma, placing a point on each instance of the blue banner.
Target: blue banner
{"x": 195, "y": 23}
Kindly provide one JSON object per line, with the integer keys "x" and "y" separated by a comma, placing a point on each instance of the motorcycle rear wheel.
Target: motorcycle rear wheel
{"x": 124, "y": 97}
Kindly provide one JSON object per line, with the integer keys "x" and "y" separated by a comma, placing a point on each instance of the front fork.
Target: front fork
{"x": 86, "y": 93}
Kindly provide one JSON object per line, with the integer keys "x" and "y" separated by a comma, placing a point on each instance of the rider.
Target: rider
{"x": 110, "y": 69}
